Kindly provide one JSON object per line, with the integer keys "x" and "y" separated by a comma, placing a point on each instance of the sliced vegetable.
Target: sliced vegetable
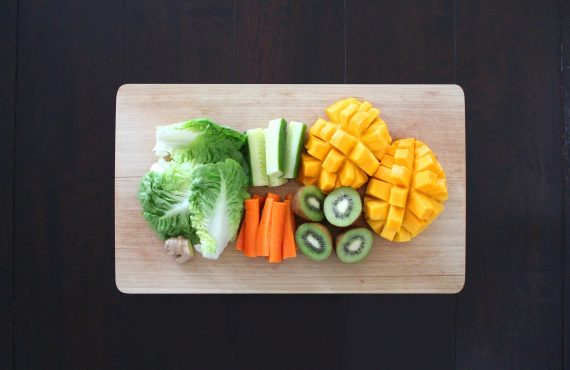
{"x": 277, "y": 181}
{"x": 274, "y": 196}
{"x": 261, "y": 200}
{"x": 241, "y": 237}
{"x": 251, "y": 226}
{"x": 275, "y": 138}
{"x": 256, "y": 149}
{"x": 289, "y": 247}
{"x": 262, "y": 240}
{"x": 278, "y": 214}
{"x": 295, "y": 139}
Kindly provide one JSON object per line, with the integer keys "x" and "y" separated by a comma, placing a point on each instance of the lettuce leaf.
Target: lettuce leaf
{"x": 163, "y": 194}
{"x": 216, "y": 204}
{"x": 199, "y": 140}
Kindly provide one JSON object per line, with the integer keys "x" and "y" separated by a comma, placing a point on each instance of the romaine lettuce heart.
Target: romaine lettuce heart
{"x": 216, "y": 204}
{"x": 163, "y": 194}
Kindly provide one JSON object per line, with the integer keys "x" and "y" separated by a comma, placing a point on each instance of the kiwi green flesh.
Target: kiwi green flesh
{"x": 308, "y": 203}
{"x": 343, "y": 206}
{"x": 314, "y": 241}
{"x": 354, "y": 245}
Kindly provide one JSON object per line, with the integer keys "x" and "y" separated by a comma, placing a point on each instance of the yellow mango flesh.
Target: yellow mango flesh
{"x": 406, "y": 192}
{"x": 350, "y": 144}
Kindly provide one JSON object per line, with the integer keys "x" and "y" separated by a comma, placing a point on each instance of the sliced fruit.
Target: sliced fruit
{"x": 333, "y": 161}
{"x": 327, "y": 180}
{"x": 314, "y": 241}
{"x": 318, "y": 148}
{"x": 354, "y": 245}
{"x": 347, "y": 173}
{"x": 310, "y": 166}
{"x": 352, "y": 144}
{"x": 407, "y": 191}
{"x": 308, "y": 203}
{"x": 343, "y": 206}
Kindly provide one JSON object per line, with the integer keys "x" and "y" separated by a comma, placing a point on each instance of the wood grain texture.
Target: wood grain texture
{"x": 413, "y": 43}
{"x": 274, "y": 42}
{"x": 67, "y": 307}
{"x": 433, "y": 113}
{"x": 565, "y": 19}
{"x": 8, "y": 52}
{"x": 508, "y": 62}
{"x": 178, "y": 41}
{"x": 288, "y": 41}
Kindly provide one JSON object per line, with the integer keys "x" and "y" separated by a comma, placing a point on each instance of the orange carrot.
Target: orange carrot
{"x": 261, "y": 200}
{"x": 289, "y": 248}
{"x": 251, "y": 226}
{"x": 241, "y": 236}
{"x": 289, "y": 196}
{"x": 274, "y": 196}
{"x": 262, "y": 241}
{"x": 276, "y": 232}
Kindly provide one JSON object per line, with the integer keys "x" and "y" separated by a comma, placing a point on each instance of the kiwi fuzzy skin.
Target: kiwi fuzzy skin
{"x": 326, "y": 233}
{"x": 296, "y": 206}
{"x": 337, "y": 242}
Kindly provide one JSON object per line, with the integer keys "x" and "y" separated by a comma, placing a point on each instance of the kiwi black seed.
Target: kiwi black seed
{"x": 354, "y": 245}
{"x": 308, "y": 203}
{"x": 343, "y": 206}
{"x": 314, "y": 241}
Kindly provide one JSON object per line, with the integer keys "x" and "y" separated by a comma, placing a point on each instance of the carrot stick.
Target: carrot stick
{"x": 261, "y": 200}
{"x": 262, "y": 243}
{"x": 289, "y": 248}
{"x": 274, "y": 196}
{"x": 241, "y": 236}
{"x": 278, "y": 216}
{"x": 289, "y": 196}
{"x": 251, "y": 226}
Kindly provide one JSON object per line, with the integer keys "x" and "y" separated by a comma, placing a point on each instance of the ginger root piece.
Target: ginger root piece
{"x": 180, "y": 248}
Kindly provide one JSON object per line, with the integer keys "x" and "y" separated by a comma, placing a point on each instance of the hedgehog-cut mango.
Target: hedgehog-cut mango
{"x": 407, "y": 191}
{"x": 346, "y": 149}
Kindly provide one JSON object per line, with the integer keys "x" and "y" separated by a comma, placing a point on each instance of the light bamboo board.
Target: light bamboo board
{"x": 434, "y": 262}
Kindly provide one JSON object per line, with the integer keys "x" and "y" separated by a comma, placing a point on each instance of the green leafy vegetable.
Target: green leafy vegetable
{"x": 199, "y": 140}
{"x": 163, "y": 194}
{"x": 216, "y": 204}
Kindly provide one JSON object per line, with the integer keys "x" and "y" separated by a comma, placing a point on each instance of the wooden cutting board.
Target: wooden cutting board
{"x": 434, "y": 262}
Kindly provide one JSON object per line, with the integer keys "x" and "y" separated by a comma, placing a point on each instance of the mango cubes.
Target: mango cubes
{"x": 346, "y": 149}
{"x": 406, "y": 192}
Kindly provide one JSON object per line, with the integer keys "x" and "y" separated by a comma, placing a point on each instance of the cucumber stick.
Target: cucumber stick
{"x": 256, "y": 148}
{"x": 293, "y": 145}
{"x": 277, "y": 181}
{"x": 274, "y": 180}
{"x": 275, "y": 138}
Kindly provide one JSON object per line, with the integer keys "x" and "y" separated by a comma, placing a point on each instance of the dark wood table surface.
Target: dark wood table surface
{"x": 61, "y": 63}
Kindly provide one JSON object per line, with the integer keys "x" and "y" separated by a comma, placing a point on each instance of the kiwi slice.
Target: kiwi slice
{"x": 308, "y": 203}
{"x": 314, "y": 240}
{"x": 354, "y": 245}
{"x": 343, "y": 206}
